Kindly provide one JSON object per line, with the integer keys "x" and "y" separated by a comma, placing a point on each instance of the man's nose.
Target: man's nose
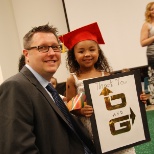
{"x": 51, "y": 51}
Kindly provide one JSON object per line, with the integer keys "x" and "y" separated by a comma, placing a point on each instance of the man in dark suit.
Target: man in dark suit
{"x": 30, "y": 121}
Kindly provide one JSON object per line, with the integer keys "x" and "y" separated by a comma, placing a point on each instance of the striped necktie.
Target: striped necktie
{"x": 59, "y": 102}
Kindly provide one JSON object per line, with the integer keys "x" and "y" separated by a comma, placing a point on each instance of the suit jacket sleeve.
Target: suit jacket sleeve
{"x": 16, "y": 120}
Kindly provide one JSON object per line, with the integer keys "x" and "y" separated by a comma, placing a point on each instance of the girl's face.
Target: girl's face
{"x": 86, "y": 53}
{"x": 152, "y": 10}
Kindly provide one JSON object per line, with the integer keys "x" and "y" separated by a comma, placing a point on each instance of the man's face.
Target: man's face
{"x": 46, "y": 63}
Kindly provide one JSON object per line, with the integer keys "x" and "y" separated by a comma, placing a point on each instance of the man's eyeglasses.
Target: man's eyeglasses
{"x": 55, "y": 48}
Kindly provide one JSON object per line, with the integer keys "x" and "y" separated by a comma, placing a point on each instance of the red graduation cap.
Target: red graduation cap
{"x": 89, "y": 32}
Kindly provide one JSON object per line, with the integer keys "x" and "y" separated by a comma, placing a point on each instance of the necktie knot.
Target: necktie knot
{"x": 50, "y": 88}
{"x": 59, "y": 102}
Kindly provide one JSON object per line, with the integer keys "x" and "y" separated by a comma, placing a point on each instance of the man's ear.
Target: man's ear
{"x": 26, "y": 54}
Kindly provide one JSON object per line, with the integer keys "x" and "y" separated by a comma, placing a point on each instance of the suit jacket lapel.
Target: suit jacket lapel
{"x": 29, "y": 75}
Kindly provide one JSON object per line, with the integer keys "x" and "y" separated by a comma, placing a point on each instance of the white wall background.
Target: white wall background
{"x": 120, "y": 22}
{"x": 1, "y": 76}
{"x": 10, "y": 48}
{"x": 17, "y": 17}
{"x": 31, "y": 13}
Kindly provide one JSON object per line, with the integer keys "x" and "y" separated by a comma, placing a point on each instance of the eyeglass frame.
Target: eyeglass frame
{"x": 52, "y": 46}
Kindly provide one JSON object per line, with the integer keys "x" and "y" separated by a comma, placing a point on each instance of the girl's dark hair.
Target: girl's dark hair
{"x": 73, "y": 66}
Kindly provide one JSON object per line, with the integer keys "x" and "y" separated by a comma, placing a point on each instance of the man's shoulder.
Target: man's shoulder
{"x": 18, "y": 78}
{"x": 12, "y": 78}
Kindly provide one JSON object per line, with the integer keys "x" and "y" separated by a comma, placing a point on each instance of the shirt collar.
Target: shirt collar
{"x": 42, "y": 81}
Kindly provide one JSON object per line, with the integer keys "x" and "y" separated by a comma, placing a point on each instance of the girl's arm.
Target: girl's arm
{"x": 145, "y": 40}
{"x": 71, "y": 91}
{"x": 143, "y": 97}
{"x": 70, "y": 88}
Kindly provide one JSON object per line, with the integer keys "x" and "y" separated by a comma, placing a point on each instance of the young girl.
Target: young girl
{"x": 85, "y": 61}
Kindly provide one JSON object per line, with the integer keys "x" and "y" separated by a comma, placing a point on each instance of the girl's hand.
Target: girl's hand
{"x": 64, "y": 99}
{"x": 86, "y": 111}
{"x": 143, "y": 98}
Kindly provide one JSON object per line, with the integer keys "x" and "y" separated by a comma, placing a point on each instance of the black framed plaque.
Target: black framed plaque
{"x": 119, "y": 120}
